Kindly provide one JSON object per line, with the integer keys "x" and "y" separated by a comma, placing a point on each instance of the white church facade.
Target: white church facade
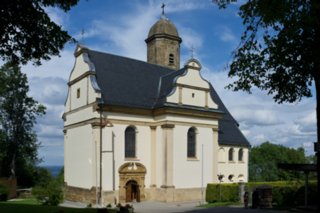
{"x": 136, "y": 131}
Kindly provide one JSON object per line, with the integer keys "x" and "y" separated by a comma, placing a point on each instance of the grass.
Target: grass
{"x": 28, "y": 206}
{"x": 218, "y": 204}
{"x": 29, "y": 201}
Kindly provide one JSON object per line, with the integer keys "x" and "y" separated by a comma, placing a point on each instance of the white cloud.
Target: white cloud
{"x": 57, "y": 15}
{"x": 56, "y": 67}
{"x": 261, "y": 119}
{"x": 49, "y": 90}
{"x": 184, "y": 6}
{"x": 225, "y": 34}
{"x": 191, "y": 39}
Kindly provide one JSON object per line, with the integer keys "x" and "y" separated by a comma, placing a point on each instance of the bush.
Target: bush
{"x": 4, "y": 193}
{"x": 284, "y": 194}
{"x": 287, "y": 194}
{"x": 229, "y": 193}
{"x": 51, "y": 195}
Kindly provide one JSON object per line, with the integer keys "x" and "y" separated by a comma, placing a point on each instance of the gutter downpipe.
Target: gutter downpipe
{"x": 100, "y": 105}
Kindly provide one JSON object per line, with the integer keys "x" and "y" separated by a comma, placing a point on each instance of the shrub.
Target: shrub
{"x": 51, "y": 195}
{"x": 229, "y": 193}
{"x": 4, "y": 193}
{"x": 287, "y": 194}
{"x": 284, "y": 194}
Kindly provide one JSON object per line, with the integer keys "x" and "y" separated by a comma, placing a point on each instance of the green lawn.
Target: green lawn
{"x": 28, "y": 207}
{"x": 217, "y": 204}
{"x": 30, "y": 201}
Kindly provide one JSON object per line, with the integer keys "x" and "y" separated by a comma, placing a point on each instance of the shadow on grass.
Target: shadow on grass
{"x": 7, "y": 207}
{"x": 219, "y": 204}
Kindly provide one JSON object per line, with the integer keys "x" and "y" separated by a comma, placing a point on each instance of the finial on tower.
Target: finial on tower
{"x": 192, "y": 50}
{"x": 162, "y": 6}
{"x": 82, "y": 34}
{"x": 163, "y": 16}
{"x": 81, "y": 37}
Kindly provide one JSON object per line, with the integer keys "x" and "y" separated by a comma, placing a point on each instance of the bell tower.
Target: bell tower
{"x": 163, "y": 44}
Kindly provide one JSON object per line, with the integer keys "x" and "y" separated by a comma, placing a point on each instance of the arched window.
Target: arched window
{"x": 240, "y": 155}
{"x": 171, "y": 59}
{"x": 191, "y": 143}
{"x": 222, "y": 156}
{"x": 230, "y": 156}
{"x": 130, "y": 142}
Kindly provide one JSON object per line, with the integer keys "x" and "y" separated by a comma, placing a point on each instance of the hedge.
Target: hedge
{"x": 229, "y": 193}
{"x": 287, "y": 193}
{"x": 284, "y": 194}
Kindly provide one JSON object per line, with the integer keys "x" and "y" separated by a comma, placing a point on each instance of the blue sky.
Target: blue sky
{"x": 120, "y": 27}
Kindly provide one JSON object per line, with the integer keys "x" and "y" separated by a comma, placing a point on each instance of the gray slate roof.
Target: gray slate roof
{"x": 137, "y": 84}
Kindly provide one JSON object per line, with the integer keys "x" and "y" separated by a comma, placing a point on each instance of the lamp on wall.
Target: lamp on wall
{"x": 220, "y": 178}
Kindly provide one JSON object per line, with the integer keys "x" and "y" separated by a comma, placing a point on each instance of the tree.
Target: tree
{"x": 50, "y": 191}
{"x": 18, "y": 113}
{"x": 27, "y": 33}
{"x": 279, "y": 51}
{"x": 263, "y": 161}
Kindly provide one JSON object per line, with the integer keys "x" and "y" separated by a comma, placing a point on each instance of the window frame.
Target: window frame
{"x": 78, "y": 93}
{"x": 240, "y": 155}
{"x": 231, "y": 155}
{"x": 192, "y": 143}
{"x": 130, "y": 142}
{"x": 171, "y": 59}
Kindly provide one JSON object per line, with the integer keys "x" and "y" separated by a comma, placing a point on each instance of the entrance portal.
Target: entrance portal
{"x": 131, "y": 183}
{"x": 132, "y": 191}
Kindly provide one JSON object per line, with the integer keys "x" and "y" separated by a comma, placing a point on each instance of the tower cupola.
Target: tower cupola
{"x": 163, "y": 44}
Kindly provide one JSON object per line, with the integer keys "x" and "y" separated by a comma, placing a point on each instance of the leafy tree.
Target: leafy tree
{"x": 27, "y": 33}
{"x": 50, "y": 191}
{"x": 279, "y": 51}
{"x": 263, "y": 161}
{"x": 18, "y": 113}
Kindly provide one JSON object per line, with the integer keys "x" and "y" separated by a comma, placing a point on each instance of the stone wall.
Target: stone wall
{"x": 89, "y": 196}
{"x": 175, "y": 195}
{"x": 11, "y": 183}
{"x": 80, "y": 194}
{"x": 157, "y": 194}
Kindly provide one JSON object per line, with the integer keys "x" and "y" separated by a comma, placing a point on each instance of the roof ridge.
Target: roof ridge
{"x": 132, "y": 59}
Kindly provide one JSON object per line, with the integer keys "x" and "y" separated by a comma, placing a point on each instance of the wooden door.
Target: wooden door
{"x": 129, "y": 192}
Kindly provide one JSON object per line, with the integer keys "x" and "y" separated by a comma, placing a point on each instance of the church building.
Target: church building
{"x": 136, "y": 131}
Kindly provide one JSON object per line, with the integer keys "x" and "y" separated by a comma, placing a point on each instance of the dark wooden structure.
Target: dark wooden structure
{"x": 306, "y": 168}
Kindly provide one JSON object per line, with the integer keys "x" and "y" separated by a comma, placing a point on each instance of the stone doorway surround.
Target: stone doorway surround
{"x": 134, "y": 172}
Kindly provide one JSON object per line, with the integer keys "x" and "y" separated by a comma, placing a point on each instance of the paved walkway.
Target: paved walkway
{"x": 158, "y": 207}
{"x": 191, "y": 207}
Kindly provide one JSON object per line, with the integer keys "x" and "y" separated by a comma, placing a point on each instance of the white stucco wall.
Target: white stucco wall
{"x": 79, "y": 158}
{"x": 84, "y": 114}
{"x": 142, "y": 152}
{"x": 192, "y": 90}
{"x": 83, "y": 84}
{"x": 80, "y": 67}
{"x": 188, "y": 171}
{"x": 239, "y": 169}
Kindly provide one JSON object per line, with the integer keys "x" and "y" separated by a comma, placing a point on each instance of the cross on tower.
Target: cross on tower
{"x": 162, "y": 6}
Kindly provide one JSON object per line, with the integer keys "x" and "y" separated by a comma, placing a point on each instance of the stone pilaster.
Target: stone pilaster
{"x": 153, "y": 157}
{"x": 167, "y": 140}
{"x": 215, "y": 154}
